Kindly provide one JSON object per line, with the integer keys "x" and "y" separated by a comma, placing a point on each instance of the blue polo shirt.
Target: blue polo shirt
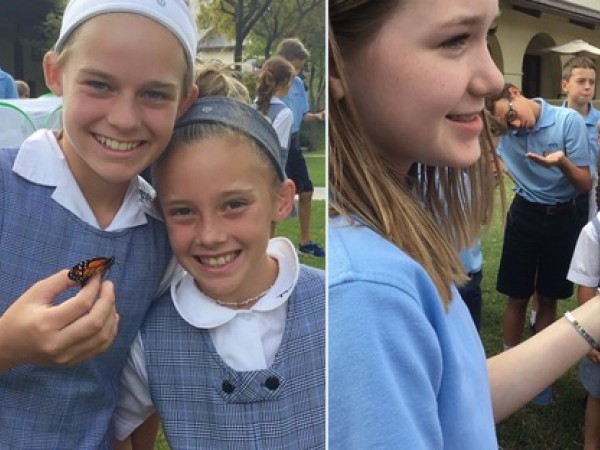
{"x": 472, "y": 257}
{"x": 556, "y": 129}
{"x": 297, "y": 101}
{"x": 591, "y": 123}
{"x": 8, "y": 88}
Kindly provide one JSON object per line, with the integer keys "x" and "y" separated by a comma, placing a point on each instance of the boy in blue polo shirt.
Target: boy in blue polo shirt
{"x": 547, "y": 153}
{"x": 579, "y": 85}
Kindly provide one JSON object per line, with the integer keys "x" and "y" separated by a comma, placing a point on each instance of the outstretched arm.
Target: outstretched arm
{"x": 311, "y": 117}
{"x": 578, "y": 176}
{"x": 518, "y": 374}
{"x": 35, "y": 330}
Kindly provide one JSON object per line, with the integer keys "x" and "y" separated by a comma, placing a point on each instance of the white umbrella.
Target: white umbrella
{"x": 577, "y": 47}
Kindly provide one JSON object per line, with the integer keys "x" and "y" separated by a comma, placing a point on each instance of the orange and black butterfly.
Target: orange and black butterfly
{"x": 84, "y": 270}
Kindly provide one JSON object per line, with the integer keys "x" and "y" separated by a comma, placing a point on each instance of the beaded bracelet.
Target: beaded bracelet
{"x": 584, "y": 334}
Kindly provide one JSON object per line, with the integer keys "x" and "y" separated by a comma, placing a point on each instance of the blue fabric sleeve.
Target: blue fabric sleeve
{"x": 577, "y": 147}
{"x": 384, "y": 371}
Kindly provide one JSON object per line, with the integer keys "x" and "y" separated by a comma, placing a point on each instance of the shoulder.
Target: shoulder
{"x": 312, "y": 273}
{"x": 359, "y": 256}
{"x": 566, "y": 114}
{"x": 311, "y": 282}
{"x": 593, "y": 114}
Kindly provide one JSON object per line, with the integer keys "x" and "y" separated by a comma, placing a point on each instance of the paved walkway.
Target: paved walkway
{"x": 320, "y": 193}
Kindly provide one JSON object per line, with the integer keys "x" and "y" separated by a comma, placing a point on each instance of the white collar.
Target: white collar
{"x": 41, "y": 161}
{"x": 201, "y": 311}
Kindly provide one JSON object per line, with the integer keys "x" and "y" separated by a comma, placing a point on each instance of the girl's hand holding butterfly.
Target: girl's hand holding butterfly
{"x": 76, "y": 330}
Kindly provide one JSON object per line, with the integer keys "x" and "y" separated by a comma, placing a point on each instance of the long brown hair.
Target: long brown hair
{"x": 275, "y": 73}
{"x": 430, "y": 216}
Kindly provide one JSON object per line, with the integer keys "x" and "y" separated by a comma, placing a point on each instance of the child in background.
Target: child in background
{"x": 233, "y": 355}
{"x": 274, "y": 83}
{"x": 294, "y": 51}
{"x": 215, "y": 78}
{"x": 548, "y": 156}
{"x": 125, "y": 72}
{"x": 405, "y": 363}
{"x": 23, "y": 89}
{"x": 579, "y": 85}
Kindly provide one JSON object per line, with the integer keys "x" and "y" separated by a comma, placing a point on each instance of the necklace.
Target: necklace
{"x": 243, "y": 302}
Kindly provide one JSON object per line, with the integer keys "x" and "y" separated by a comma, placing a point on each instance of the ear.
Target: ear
{"x": 53, "y": 73}
{"x": 514, "y": 91}
{"x": 185, "y": 103}
{"x": 563, "y": 85}
{"x": 285, "y": 200}
{"x": 336, "y": 87}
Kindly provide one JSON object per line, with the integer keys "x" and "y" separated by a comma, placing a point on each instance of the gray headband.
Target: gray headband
{"x": 237, "y": 115}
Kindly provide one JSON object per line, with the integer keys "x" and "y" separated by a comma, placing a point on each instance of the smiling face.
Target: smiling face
{"x": 219, "y": 196}
{"x": 122, "y": 83}
{"x": 418, "y": 90}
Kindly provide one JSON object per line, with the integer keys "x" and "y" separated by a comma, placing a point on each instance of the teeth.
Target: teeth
{"x": 113, "y": 144}
{"x": 218, "y": 261}
{"x": 462, "y": 118}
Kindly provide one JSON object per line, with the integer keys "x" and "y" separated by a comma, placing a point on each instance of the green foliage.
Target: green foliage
{"x": 304, "y": 19}
{"x": 32, "y": 20}
{"x": 250, "y": 80}
{"x": 316, "y": 166}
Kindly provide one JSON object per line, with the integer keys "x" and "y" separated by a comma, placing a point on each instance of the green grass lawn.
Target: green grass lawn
{"x": 315, "y": 161}
{"x": 556, "y": 426}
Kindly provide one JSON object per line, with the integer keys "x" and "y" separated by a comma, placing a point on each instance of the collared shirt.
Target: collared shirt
{"x": 556, "y": 129}
{"x": 41, "y": 161}
{"x": 260, "y": 328}
{"x": 591, "y": 123}
{"x": 297, "y": 101}
{"x": 283, "y": 123}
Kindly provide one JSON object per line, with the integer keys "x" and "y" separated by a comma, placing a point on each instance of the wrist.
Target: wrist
{"x": 582, "y": 331}
{"x": 588, "y": 316}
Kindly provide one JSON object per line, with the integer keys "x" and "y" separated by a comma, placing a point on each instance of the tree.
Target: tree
{"x": 288, "y": 18}
{"x": 304, "y": 19}
{"x": 239, "y": 16}
{"x": 24, "y": 21}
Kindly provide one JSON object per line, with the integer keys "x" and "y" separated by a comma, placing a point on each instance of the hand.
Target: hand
{"x": 321, "y": 115}
{"x": 35, "y": 330}
{"x": 553, "y": 159}
{"x": 594, "y": 356}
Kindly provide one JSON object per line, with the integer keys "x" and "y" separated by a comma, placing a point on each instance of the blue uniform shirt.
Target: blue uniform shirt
{"x": 8, "y": 88}
{"x": 297, "y": 101}
{"x": 472, "y": 258}
{"x": 556, "y": 129}
{"x": 591, "y": 123}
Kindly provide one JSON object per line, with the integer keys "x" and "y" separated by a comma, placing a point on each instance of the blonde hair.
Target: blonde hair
{"x": 62, "y": 55}
{"x": 429, "y": 216}
{"x": 215, "y": 78}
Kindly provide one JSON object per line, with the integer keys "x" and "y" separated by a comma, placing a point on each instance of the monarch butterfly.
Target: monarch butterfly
{"x": 83, "y": 271}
